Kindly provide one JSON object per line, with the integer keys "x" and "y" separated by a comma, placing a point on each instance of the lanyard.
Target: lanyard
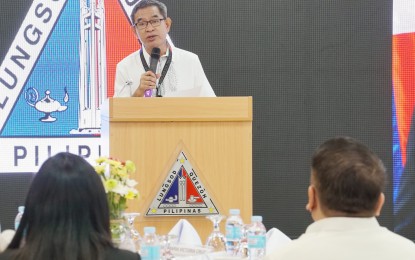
{"x": 164, "y": 71}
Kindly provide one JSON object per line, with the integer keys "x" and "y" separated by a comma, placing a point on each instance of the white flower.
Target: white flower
{"x": 131, "y": 183}
{"x": 120, "y": 189}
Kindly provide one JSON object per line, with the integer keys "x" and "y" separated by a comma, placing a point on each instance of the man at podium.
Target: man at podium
{"x": 158, "y": 68}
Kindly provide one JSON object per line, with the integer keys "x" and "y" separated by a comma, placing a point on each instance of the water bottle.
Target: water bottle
{"x": 150, "y": 245}
{"x": 18, "y": 217}
{"x": 234, "y": 224}
{"x": 256, "y": 238}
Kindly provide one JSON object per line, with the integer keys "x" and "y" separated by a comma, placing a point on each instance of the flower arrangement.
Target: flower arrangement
{"x": 119, "y": 187}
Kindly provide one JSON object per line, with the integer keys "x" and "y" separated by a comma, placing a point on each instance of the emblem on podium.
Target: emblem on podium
{"x": 182, "y": 193}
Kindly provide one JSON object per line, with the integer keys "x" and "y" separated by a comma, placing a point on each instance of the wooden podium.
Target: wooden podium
{"x": 216, "y": 134}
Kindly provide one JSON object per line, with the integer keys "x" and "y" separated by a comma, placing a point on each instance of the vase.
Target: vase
{"x": 118, "y": 228}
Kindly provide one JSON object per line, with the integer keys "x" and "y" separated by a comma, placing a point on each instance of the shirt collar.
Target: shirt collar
{"x": 147, "y": 55}
{"x": 340, "y": 224}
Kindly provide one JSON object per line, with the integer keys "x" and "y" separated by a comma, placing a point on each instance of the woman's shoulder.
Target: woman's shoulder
{"x": 120, "y": 254}
{"x": 110, "y": 254}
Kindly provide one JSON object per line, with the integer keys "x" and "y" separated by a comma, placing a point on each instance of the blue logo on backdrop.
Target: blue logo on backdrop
{"x": 52, "y": 84}
{"x": 56, "y": 69}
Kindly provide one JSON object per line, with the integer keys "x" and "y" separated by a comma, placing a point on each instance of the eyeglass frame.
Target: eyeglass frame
{"x": 158, "y": 20}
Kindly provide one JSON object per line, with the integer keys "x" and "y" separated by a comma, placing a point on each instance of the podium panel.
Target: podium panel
{"x": 216, "y": 134}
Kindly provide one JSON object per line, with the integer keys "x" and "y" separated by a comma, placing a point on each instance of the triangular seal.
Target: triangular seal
{"x": 182, "y": 193}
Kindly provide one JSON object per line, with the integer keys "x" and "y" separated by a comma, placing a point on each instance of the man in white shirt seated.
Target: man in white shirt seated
{"x": 344, "y": 198}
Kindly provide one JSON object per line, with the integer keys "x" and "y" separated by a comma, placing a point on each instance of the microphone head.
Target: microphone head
{"x": 155, "y": 53}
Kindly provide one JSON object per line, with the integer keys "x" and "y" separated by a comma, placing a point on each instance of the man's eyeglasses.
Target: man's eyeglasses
{"x": 141, "y": 25}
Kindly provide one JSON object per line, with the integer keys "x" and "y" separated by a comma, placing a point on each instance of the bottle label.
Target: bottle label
{"x": 258, "y": 241}
{"x": 233, "y": 232}
{"x": 150, "y": 252}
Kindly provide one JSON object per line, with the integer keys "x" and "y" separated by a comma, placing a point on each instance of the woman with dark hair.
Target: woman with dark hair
{"x": 66, "y": 215}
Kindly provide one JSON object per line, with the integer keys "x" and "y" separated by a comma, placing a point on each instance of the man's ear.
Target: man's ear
{"x": 168, "y": 24}
{"x": 134, "y": 30}
{"x": 312, "y": 200}
{"x": 379, "y": 204}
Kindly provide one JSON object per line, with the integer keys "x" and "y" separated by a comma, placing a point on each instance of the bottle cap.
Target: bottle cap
{"x": 149, "y": 230}
{"x": 234, "y": 212}
{"x": 256, "y": 218}
{"x": 20, "y": 209}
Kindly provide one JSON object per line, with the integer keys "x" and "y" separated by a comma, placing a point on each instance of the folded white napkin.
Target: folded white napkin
{"x": 5, "y": 238}
{"x": 275, "y": 239}
{"x": 186, "y": 233}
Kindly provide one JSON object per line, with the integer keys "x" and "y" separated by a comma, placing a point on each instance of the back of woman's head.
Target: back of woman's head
{"x": 66, "y": 212}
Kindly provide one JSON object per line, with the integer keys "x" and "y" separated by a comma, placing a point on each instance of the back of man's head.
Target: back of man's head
{"x": 349, "y": 178}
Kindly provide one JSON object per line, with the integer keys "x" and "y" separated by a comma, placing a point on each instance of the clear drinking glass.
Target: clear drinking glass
{"x": 166, "y": 241}
{"x": 133, "y": 233}
{"x": 216, "y": 239}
